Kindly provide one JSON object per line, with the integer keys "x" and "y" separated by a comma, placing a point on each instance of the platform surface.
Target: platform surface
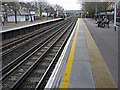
{"x": 23, "y": 25}
{"x": 81, "y": 64}
{"x": 85, "y": 66}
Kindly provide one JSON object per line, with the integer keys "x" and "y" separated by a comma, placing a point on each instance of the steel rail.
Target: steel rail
{"x": 18, "y": 82}
{"x": 14, "y": 48}
{"x": 16, "y": 61}
{"x": 39, "y": 85}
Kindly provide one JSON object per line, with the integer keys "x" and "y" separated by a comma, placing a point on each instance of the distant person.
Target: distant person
{"x": 103, "y": 22}
{"x": 1, "y": 20}
{"x": 99, "y": 22}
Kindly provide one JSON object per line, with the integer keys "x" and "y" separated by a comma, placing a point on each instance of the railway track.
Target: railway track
{"x": 27, "y": 43}
{"x": 38, "y": 63}
{"x": 13, "y": 63}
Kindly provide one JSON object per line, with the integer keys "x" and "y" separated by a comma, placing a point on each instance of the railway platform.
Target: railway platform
{"x": 81, "y": 64}
{"x": 14, "y": 31}
{"x": 25, "y": 24}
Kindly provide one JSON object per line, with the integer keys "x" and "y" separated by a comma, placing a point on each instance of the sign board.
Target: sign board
{"x": 118, "y": 13}
{"x": 32, "y": 12}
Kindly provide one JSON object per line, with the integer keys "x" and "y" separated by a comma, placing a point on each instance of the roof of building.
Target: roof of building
{"x": 74, "y": 11}
{"x": 20, "y": 12}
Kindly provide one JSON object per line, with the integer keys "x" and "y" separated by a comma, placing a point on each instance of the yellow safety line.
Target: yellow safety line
{"x": 101, "y": 73}
{"x": 67, "y": 73}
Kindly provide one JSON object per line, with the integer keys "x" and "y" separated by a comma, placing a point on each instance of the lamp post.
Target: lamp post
{"x": 96, "y": 12}
{"x": 115, "y": 17}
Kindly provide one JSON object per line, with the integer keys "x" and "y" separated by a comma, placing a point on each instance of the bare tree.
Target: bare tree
{"x": 42, "y": 6}
{"x": 46, "y": 7}
{"x": 29, "y": 6}
{"x": 58, "y": 8}
{"x": 14, "y": 6}
{"x": 51, "y": 10}
{"x": 91, "y": 7}
{"x": 104, "y": 6}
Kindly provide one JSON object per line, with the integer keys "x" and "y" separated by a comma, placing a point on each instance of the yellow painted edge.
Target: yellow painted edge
{"x": 102, "y": 76}
{"x": 67, "y": 73}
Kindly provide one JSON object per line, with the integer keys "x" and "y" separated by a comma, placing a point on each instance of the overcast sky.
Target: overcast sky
{"x": 67, "y": 4}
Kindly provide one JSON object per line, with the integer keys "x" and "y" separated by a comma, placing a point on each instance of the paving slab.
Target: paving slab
{"x": 81, "y": 54}
{"x": 81, "y": 75}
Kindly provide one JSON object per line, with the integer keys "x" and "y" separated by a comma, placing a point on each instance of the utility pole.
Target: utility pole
{"x": 96, "y": 12}
{"x": 115, "y": 17}
{"x": 38, "y": 6}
